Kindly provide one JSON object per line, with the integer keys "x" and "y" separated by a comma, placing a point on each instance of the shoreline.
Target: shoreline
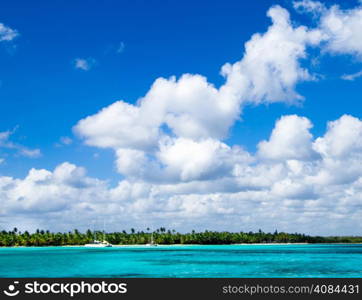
{"x": 180, "y": 245}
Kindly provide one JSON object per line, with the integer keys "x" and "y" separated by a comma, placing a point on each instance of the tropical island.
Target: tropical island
{"x": 162, "y": 236}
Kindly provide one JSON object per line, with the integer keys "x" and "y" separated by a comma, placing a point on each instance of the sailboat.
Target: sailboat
{"x": 99, "y": 244}
{"x": 152, "y": 242}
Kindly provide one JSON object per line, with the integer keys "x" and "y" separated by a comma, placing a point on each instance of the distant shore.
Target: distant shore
{"x": 162, "y": 236}
{"x": 180, "y": 245}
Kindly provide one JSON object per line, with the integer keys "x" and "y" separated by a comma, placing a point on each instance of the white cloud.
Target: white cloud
{"x": 270, "y": 68}
{"x": 351, "y": 77}
{"x": 290, "y": 139}
{"x": 84, "y": 64}
{"x": 119, "y": 125}
{"x": 172, "y": 141}
{"x": 341, "y": 28}
{"x": 288, "y": 190}
{"x": 5, "y": 135}
{"x": 6, "y": 33}
{"x": 314, "y": 7}
{"x": 30, "y": 152}
{"x": 181, "y": 160}
{"x": 180, "y": 105}
{"x": 42, "y": 191}
{"x": 204, "y": 160}
{"x": 177, "y": 168}
{"x": 18, "y": 148}
{"x": 343, "y": 138}
{"x": 191, "y": 112}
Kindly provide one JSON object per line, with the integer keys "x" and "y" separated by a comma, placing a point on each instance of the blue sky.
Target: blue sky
{"x": 44, "y": 95}
{"x": 127, "y": 45}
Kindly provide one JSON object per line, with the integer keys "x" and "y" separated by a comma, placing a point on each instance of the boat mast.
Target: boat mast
{"x": 104, "y": 233}
{"x": 94, "y": 232}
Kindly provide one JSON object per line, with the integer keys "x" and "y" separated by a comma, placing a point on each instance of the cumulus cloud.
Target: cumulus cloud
{"x": 341, "y": 28}
{"x": 177, "y": 167}
{"x": 290, "y": 139}
{"x": 343, "y": 138}
{"x": 204, "y": 160}
{"x": 287, "y": 185}
{"x": 270, "y": 68}
{"x": 180, "y": 160}
{"x": 191, "y": 113}
{"x": 119, "y": 125}
{"x": 42, "y": 191}
{"x": 7, "y": 33}
{"x": 173, "y": 140}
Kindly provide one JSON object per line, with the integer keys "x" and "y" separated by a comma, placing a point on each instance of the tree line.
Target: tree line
{"x": 161, "y": 236}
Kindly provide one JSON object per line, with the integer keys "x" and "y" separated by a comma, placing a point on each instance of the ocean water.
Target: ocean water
{"x": 341, "y": 260}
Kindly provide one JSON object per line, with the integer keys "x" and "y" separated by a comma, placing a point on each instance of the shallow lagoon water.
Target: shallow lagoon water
{"x": 316, "y": 260}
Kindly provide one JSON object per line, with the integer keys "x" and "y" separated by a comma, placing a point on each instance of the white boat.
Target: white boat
{"x": 98, "y": 244}
{"x": 152, "y": 242}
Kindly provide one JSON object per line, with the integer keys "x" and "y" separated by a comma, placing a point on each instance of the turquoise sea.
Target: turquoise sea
{"x": 340, "y": 260}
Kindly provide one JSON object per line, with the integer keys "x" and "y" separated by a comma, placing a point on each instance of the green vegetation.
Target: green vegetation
{"x": 162, "y": 236}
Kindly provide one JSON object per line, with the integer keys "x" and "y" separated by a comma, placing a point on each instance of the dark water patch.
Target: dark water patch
{"x": 201, "y": 262}
{"x": 120, "y": 275}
